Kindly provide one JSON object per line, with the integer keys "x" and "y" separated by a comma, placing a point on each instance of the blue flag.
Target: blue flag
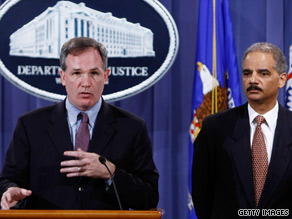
{"x": 216, "y": 79}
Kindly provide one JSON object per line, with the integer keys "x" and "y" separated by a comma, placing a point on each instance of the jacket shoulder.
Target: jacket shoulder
{"x": 122, "y": 114}
{"x": 228, "y": 115}
{"x": 43, "y": 112}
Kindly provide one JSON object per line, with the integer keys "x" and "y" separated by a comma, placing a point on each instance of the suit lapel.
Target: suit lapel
{"x": 281, "y": 156}
{"x": 103, "y": 130}
{"x": 59, "y": 130}
{"x": 241, "y": 152}
{"x": 60, "y": 134}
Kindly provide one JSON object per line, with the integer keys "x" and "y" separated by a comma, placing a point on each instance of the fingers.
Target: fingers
{"x": 77, "y": 154}
{"x": 74, "y": 168}
{"x": 5, "y": 202}
{"x": 73, "y": 171}
{"x": 71, "y": 163}
{"x": 85, "y": 164}
{"x": 17, "y": 194}
{"x": 12, "y": 196}
{"x": 25, "y": 193}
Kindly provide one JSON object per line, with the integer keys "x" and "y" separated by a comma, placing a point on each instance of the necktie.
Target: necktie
{"x": 83, "y": 137}
{"x": 259, "y": 159}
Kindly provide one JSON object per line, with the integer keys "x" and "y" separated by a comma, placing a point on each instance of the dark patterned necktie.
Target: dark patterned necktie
{"x": 259, "y": 159}
{"x": 83, "y": 137}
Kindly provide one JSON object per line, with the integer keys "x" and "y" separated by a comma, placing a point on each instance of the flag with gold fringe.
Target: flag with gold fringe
{"x": 216, "y": 79}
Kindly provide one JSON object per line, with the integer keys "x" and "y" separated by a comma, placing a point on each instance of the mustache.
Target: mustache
{"x": 254, "y": 87}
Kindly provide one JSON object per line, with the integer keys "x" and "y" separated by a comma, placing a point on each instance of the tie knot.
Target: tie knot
{"x": 259, "y": 119}
{"x": 84, "y": 117}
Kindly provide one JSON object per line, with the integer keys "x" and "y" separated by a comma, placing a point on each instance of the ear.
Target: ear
{"x": 106, "y": 74}
{"x": 282, "y": 79}
{"x": 62, "y": 76}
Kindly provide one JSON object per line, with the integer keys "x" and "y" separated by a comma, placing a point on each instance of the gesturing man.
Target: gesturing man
{"x": 53, "y": 159}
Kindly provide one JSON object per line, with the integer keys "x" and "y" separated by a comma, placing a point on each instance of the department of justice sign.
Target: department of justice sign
{"x": 140, "y": 36}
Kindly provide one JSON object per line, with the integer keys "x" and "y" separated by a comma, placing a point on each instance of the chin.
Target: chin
{"x": 255, "y": 100}
{"x": 85, "y": 106}
{"x": 254, "y": 96}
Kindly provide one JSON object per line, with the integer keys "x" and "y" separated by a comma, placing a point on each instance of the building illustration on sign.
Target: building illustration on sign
{"x": 44, "y": 36}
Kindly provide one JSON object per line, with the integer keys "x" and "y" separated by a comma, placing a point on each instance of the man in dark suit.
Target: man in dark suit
{"x": 242, "y": 168}
{"x": 45, "y": 169}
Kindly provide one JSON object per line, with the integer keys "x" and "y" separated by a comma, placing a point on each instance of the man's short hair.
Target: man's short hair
{"x": 80, "y": 44}
{"x": 278, "y": 55}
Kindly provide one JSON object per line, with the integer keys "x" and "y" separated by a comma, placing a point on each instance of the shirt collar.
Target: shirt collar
{"x": 270, "y": 117}
{"x": 72, "y": 112}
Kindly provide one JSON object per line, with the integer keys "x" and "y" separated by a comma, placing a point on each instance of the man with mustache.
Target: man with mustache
{"x": 243, "y": 157}
{"x": 49, "y": 166}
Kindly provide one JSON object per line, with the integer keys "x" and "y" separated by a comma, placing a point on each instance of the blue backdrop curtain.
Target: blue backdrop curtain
{"x": 166, "y": 106}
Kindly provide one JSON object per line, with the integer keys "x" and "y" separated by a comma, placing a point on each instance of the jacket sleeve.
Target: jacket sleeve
{"x": 16, "y": 164}
{"x": 203, "y": 178}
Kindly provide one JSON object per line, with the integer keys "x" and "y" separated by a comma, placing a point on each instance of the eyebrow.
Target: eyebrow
{"x": 79, "y": 69}
{"x": 259, "y": 70}
{"x": 264, "y": 69}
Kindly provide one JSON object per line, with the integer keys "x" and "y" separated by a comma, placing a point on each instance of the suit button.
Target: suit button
{"x": 80, "y": 189}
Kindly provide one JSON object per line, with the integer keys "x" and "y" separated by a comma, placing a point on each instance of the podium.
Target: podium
{"x": 80, "y": 214}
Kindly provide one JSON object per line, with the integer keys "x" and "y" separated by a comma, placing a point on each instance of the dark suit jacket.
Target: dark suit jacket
{"x": 222, "y": 179}
{"x": 36, "y": 151}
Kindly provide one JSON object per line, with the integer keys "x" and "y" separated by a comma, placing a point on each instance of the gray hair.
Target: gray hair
{"x": 278, "y": 55}
{"x": 78, "y": 45}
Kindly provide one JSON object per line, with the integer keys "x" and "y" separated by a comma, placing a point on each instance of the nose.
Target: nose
{"x": 85, "y": 80}
{"x": 253, "y": 78}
